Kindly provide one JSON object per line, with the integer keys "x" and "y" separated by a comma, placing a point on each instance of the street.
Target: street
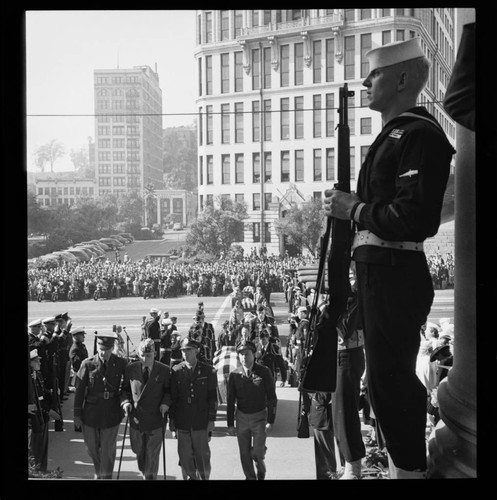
{"x": 288, "y": 457}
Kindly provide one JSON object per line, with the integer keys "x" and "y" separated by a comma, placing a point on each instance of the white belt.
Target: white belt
{"x": 369, "y": 238}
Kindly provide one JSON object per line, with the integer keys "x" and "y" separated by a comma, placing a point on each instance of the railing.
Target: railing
{"x": 304, "y": 22}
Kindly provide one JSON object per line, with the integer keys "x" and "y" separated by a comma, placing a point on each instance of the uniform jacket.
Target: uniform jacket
{"x": 152, "y": 328}
{"x": 77, "y": 354}
{"x": 320, "y": 416}
{"x": 146, "y": 398}
{"x": 402, "y": 181}
{"x": 90, "y": 403}
{"x": 251, "y": 394}
{"x": 194, "y": 396}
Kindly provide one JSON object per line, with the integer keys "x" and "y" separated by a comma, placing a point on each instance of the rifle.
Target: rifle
{"x": 319, "y": 370}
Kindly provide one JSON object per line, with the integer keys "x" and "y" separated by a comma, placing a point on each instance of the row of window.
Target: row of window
{"x": 230, "y": 22}
{"x": 130, "y": 143}
{"x": 118, "y": 130}
{"x": 118, "y": 168}
{"x": 117, "y": 104}
{"x": 65, "y": 191}
{"x": 290, "y": 167}
{"x": 118, "y": 119}
{"x": 323, "y": 119}
{"x": 118, "y": 156}
{"x": 323, "y": 63}
{"x": 116, "y": 79}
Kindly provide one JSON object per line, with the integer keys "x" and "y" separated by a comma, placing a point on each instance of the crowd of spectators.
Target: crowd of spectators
{"x": 114, "y": 279}
{"x": 442, "y": 270}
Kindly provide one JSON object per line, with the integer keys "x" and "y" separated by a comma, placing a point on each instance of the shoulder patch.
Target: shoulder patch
{"x": 396, "y": 133}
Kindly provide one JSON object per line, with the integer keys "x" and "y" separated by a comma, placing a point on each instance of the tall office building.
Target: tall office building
{"x": 128, "y": 130}
{"x": 268, "y": 85}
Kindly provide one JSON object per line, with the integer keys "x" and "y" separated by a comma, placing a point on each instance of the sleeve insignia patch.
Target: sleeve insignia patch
{"x": 396, "y": 133}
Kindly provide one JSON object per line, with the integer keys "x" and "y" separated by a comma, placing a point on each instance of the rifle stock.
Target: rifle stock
{"x": 319, "y": 369}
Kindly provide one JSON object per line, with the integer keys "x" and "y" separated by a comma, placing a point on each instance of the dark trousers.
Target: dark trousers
{"x": 345, "y": 404}
{"x": 324, "y": 453}
{"x": 394, "y": 303}
{"x": 38, "y": 446}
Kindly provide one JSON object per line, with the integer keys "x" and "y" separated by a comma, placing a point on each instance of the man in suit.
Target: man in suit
{"x": 151, "y": 329}
{"x": 146, "y": 398}
{"x": 97, "y": 403}
{"x": 77, "y": 354}
{"x": 193, "y": 411}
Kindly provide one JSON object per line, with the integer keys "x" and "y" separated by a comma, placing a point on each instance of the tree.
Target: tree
{"x": 81, "y": 162}
{"x": 215, "y": 229}
{"x": 180, "y": 158}
{"x": 49, "y": 153}
{"x": 38, "y": 219}
{"x": 130, "y": 208}
{"x": 303, "y": 225}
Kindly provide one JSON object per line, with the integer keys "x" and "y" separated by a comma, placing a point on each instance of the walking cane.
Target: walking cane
{"x": 163, "y": 448}
{"x": 122, "y": 447}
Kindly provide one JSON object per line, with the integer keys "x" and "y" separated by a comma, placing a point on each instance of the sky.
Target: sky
{"x": 64, "y": 47}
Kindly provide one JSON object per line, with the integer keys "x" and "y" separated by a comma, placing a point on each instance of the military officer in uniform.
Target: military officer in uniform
{"x": 97, "y": 404}
{"x": 34, "y": 333}
{"x": 193, "y": 410}
{"x": 152, "y": 329}
{"x": 400, "y": 192}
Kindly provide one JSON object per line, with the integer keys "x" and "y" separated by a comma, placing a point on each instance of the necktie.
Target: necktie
{"x": 104, "y": 366}
{"x": 145, "y": 374}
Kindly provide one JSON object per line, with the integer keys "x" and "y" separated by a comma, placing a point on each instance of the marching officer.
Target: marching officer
{"x": 97, "y": 404}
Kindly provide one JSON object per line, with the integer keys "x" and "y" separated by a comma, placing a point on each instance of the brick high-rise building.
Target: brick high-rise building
{"x": 268, "y": 83}
{"x": 128, "y": 130}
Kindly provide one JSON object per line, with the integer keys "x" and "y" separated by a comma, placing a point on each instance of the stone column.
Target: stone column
{"x": 452, "y": 445}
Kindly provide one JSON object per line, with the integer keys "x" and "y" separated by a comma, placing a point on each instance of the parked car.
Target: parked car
{"x": 178, "y": 226}
{"x": 67, "y": 256}
{"x": 94, "y": 248}
{"x": 101, "y": 244}
{"x": 127, "y": 236}
{"x": 117, "y": 237}
{"x": 113, "y": 243}
{"x": 80, "y": 253}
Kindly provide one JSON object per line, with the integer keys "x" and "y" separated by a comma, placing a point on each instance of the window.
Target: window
{"x": 238, "y": 71}
{"x": 256, "y": 168}
{"x": 317, "y": 167}
{"x": 256, "y": 121}
{"x": 118, "y": 168}
{"x": 298, "y": 60}
{"x": 240, "y": 198}
{"x": 239, "y": 173}
{"x": 365, "y": 47}
{"x": 200, "y": 127}
{"x": 268, "y": 198}
{"x": 209, "y": 200}
{"x": 267, "y": 17}
{"x": 330, "y": 164}
{"x": 267, "y": 119}
{"x": 299, "y": 117}
{"x": 285, "y": 166}
{"x": 384, "y": 12}
{"x": 317, "y": 195}
{"x": 118, "y": 155}
{"x": 238, "y": 22}
{"x": 267, "y": 232}
{"x": 351, "y": 113}
{"x": 330, "y": 59}
{"x": 225, "y": 123}
{"x": 210, "y": 130}
{"x": 267, "y": 67}
{"x": 285, "y": 118}
{"x": 364, "y": 99}
{"x": 365, "y": 13}
{"x": 256, "y": 232}
{"x": 200, "y": 76}
{"x": 256, "y": 201}
{"x": 352, "y": 162}
{"x": 330, "y": 115}
{"x": 365, "y": 125}
{"x": 225, "y": 24}
{"x": 104, "y": 143}
{"x": 284, "y": 65}
{"x": 386, "y": 37}
{"x": 208, "y": 75}
{"x": 349, "y": 15}
{"x": 268, "y": 166}
{"x": 201, "y": 170}
{"x": 118, "y": 143}
{"x": 225, "y": 165}
{"x": 349, "y": 57}
{"x": 399, "y": 35}
{"x": 364, "y": 152}
{"x": 225, "y": 73}
{"x": 238, "y": 122}
{"x": 210, "y": 170}
{"x": 316, "y": 116}
{"x": 208, "y": 27}
{"x": 299, "y": 165}
{"x": 256, "y": 69}
{"x": 255, "y": 18}
{"x": 316, "y": 58}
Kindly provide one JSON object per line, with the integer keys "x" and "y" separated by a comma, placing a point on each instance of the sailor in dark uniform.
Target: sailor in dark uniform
{"x": 400, "y": 191}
